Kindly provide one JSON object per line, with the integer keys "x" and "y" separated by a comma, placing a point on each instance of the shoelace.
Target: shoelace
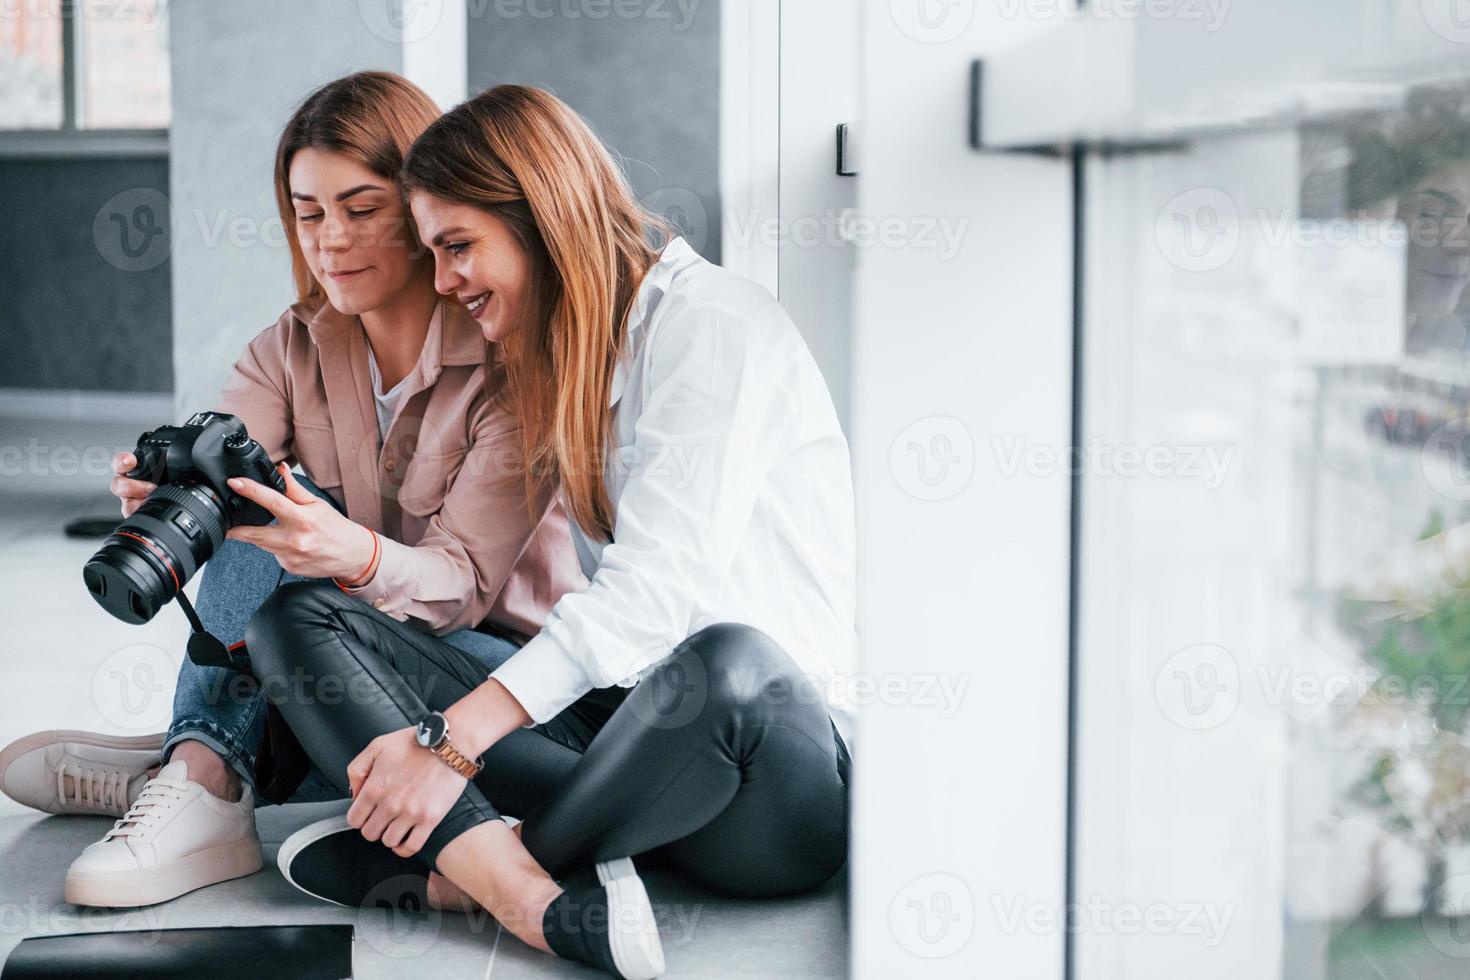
{"x": 147, "y": 812}
{"x": 99, "y": 788}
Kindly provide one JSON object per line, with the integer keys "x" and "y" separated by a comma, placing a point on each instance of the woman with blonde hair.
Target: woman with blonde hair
{"x": 678, "y": 696}
{"x": 382, "y": 392}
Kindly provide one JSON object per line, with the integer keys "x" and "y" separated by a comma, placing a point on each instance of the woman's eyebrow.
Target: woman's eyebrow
{"x": 439, "y": 238}
{"x": 296, "y": 195}
{"x": 1449, "y": 199}
{"x": 358, "y": 190}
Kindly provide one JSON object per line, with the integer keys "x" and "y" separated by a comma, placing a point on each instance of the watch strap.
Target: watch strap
{"x": 456, "y": 760}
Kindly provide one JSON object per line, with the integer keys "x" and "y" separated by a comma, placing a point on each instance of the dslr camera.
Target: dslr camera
{"x": 147, "y": 559}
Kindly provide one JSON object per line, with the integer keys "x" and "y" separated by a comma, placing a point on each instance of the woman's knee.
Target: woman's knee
{"x": 743, "y": 673}
{"x": 282, "y": 637}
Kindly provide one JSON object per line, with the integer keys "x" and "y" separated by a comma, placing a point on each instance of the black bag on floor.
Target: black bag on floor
{"x": 277, "y": 952}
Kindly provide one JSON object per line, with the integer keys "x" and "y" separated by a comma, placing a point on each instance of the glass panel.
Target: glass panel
{"x": 30, "y": 66}
{"x": 1379, "y": 831}
{"x": 125, "y": 75}
{"x": 1275, "y": 633}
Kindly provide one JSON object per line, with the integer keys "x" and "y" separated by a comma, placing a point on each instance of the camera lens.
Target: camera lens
{"x": 151, "y": 555}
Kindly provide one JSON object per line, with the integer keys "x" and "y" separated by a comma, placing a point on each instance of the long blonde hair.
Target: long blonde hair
{"x": 525, "y": 156}
{"x": 372, "y": 117}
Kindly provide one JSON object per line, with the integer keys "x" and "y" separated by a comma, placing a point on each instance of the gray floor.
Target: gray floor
{"x": 66, "y": 664}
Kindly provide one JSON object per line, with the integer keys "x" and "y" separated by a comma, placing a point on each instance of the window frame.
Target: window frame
{"x": 70, "y": 140}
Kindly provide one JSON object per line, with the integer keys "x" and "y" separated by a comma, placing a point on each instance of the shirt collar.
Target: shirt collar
{"x": 454, "y": 338}
{"x": 675, "y": 257}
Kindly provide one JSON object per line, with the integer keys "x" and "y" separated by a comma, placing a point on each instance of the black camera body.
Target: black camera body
{"x": 209, "y": 449}
{"x": 145, "y": 562}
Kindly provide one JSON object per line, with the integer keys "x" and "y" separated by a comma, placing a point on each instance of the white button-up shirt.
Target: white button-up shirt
{"x": 731, "y": 488}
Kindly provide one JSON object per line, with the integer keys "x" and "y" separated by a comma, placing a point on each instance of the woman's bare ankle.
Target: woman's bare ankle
{"x": 446, "y": 896}
{"x": 208, "y": 770}
{"x": 490, "y": 863}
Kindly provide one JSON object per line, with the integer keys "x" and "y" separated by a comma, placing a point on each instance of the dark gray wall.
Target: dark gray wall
{"x": 238, "y": 71}
{"x": 646, "y": 74}
{"x": 83, "y": 307}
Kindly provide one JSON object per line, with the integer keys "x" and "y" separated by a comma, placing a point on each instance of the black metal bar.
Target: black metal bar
{"x": 71, "y": 11}
{"x": 1074, "y": 591}
{"x": 844, "y": 152}
{"x": 977, "y": 85}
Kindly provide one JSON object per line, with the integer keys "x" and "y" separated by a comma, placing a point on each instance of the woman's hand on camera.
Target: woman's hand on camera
{"x": 400, "y": 791}
{"x": 131, "y": 492}
{"x": 310, "y": 538}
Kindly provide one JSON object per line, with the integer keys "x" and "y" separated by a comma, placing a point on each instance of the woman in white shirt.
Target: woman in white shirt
{"x": 680, "y": 702}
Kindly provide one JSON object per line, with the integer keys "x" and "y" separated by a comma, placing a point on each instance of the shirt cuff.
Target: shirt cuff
{"x": 544, "y": 677}
{"x": 385, "y": 590}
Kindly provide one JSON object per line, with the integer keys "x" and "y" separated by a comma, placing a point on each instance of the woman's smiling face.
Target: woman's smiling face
{"x": 477, "y": 260}
{"x": 353, "y": 230}
{"x": 1436, "y": 212}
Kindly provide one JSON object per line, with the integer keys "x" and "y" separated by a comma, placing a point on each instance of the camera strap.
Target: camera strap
{"x": 205, "y": 649}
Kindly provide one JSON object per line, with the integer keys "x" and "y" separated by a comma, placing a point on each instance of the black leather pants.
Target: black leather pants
{"x": 724, "y": 759}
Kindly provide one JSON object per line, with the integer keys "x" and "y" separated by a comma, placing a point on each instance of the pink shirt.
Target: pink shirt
{"x": 444, "y": 489}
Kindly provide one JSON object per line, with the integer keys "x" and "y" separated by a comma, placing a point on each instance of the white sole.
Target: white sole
{"x": 302, "y": 839}
{"x": 632, "y": 934}
{"x": 149, "y": 886}
{"x": 30, "y": 743}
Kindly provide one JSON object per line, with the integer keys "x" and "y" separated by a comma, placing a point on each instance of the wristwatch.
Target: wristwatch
{"x": 433, "y": 734}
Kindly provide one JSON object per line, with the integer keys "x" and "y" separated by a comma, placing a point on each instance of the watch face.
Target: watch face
{"x": 432, "y": 730}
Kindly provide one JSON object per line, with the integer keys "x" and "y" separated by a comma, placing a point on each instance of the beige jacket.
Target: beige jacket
{"x": 443, "y": 490}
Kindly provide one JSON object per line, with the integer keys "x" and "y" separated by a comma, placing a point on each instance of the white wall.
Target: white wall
{"x": 959, "y": 826}
{"x": 788, "y": 77}
{"x": 750, "y": 135}
{"x": 819, "y": 81}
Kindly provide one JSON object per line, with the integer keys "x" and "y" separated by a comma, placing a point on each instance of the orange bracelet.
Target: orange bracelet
{"x": 372, "y": 566}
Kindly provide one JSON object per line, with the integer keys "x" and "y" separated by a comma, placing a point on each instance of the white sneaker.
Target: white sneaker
{"x": 177, "y": 837}
{"x": 78, "y": 772}
{"x": 632, "y": 930}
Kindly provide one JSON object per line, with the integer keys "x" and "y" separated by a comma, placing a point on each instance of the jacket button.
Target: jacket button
{"x": 378, "y": 603}
{"x": 390, "y": 465}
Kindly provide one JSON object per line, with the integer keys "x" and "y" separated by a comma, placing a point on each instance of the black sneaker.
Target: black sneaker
{"x": 332, "y": 861}
{"x": 608, "y": 924}
{"x": 604, "y": 918}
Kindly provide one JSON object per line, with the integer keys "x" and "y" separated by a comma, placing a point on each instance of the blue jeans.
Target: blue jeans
{"x": 215, "y": 706}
